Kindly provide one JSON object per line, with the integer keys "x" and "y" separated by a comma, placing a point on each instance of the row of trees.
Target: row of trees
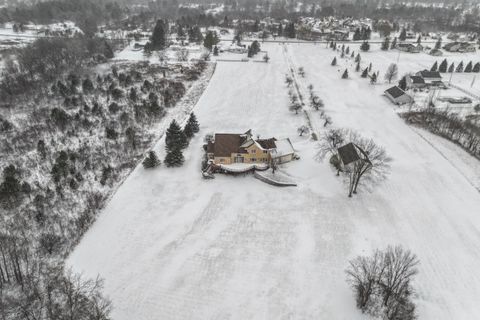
{"x": 450, "y": 126}
{"x": 470, "y": 67}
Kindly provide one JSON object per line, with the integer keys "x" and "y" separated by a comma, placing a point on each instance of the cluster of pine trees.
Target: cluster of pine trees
{"x": 177, "y": 139}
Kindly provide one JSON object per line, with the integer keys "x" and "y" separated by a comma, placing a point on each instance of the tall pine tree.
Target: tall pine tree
{"x": 174, "y": 137}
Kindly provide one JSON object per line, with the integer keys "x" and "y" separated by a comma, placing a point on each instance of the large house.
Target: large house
{"x": 398, "y": 96}
{"x": 229, "y": 148}
{"x": 430, "y": 76}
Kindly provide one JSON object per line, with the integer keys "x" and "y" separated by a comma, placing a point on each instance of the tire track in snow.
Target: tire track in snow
{"x": 446, "y": 158}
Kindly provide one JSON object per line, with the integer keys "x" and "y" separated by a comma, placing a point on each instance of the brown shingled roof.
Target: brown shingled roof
{"x": 228, "y": 143}
{"x": 267, "y": 143}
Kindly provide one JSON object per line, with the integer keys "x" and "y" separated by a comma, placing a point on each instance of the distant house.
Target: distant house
{"x": 429, "y": 76}
{"x": 415, "y": 82}
{"x": 460, "y": 47}
{"x": 408, "y": 47}
{"x": 229, "y": 148}
{"x": 398, "y": 96}
{"x": 436, "y": 52}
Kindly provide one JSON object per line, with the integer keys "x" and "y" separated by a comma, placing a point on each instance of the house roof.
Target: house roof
{"x": 430, "y": 74}
{"x": 267, "y": 143}
{"x": 395, "y": 92}
{"x": 348, "y": 153}
{"x": 417, "y": 80}
{"x": 227, "y": 143}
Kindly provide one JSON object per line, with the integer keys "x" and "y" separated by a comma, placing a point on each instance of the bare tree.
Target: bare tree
{"x": 316, "y": 102}
{"x": 374, "y": 161}
{"x": 301, "y": 72}
{"x": 295, "y": 107}
{"x": 303, "y": 130}
{"x": 381, "y": 283}
{"x": 391, "y": 73}
{"x": 288, "y": 80}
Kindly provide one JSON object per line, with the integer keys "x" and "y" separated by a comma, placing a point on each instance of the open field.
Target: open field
{"x": 171, "y": 245}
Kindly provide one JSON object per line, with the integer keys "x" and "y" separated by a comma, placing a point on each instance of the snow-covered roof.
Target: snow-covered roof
{"x": 284, "y": 147}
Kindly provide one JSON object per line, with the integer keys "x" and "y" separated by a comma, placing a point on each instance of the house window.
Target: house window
{"x": 254, "y": 159}
{"x": 253, "y": 151}
{"x": 265, "y": 151}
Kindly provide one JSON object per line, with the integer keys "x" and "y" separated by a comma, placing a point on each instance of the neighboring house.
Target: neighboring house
{"x": 398, "y": 96}
{"x": 429, "y": 76}
{"x": 228, "y": 148}
{"x": 436, "y": 52}
{"x": 408, "y": 47}
{"x": 415, "y": 82}
{"x": 460, "y": 47}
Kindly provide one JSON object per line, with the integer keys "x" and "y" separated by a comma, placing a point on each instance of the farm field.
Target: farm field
{"x": 171, "y": 245}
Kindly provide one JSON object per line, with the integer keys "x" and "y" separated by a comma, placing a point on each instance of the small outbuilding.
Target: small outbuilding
{"x": 398, "y": 96}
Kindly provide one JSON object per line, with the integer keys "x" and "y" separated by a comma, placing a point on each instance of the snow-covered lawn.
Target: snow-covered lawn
{"x": 172, "y": 245}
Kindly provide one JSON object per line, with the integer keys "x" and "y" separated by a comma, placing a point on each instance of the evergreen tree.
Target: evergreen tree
{"x": 215, "y": 51}
{"x": 476, "y": 67}
{"x": 402, "y": 84}
{"x": 403, "y": 35}
{"x": 434, "y": 67}
{"x": 443, "y": 66}
{"x": 386, "y": 44}
{"x": 358, "y": 58}
{"x": 345, "y": 74}
{"x": 438, "y": 44}
{"x": 419, "y": 39}
{"x": 357, "y": 35}
{"x": 334, "y": 61}
{"x": 11, "y": 187}
{"x": 174, "y": 137}
{"x": 151, "y": 161}
{"x": 468, "y": 67}
{"x": 353, "y": 54}
{"x": 192, "y": 126}
{"x": 394, "y": 43}
{"x": 357, "y": 68}
{"x": 347, "y": 51}
{"x": 158, "y": 40}
{"x": 174, "y": 158}
{"x": 290, "y": 30}
{"x": 365, "y": 46}
{"x": 365, "y": 73}
{"x": 373, "y": 78}
{"x": 459, "y": 67}
{"x": 370, "y": 67}
{"x": 342, "y": 55}
{"x": 451, "y": 68}
{"x": 211, "y": 39}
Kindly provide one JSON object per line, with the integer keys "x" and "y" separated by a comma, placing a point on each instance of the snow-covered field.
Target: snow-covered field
{"x": 171, "y": 245}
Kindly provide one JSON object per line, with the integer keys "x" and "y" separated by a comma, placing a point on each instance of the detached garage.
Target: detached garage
{"x": 398, "y": 96}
